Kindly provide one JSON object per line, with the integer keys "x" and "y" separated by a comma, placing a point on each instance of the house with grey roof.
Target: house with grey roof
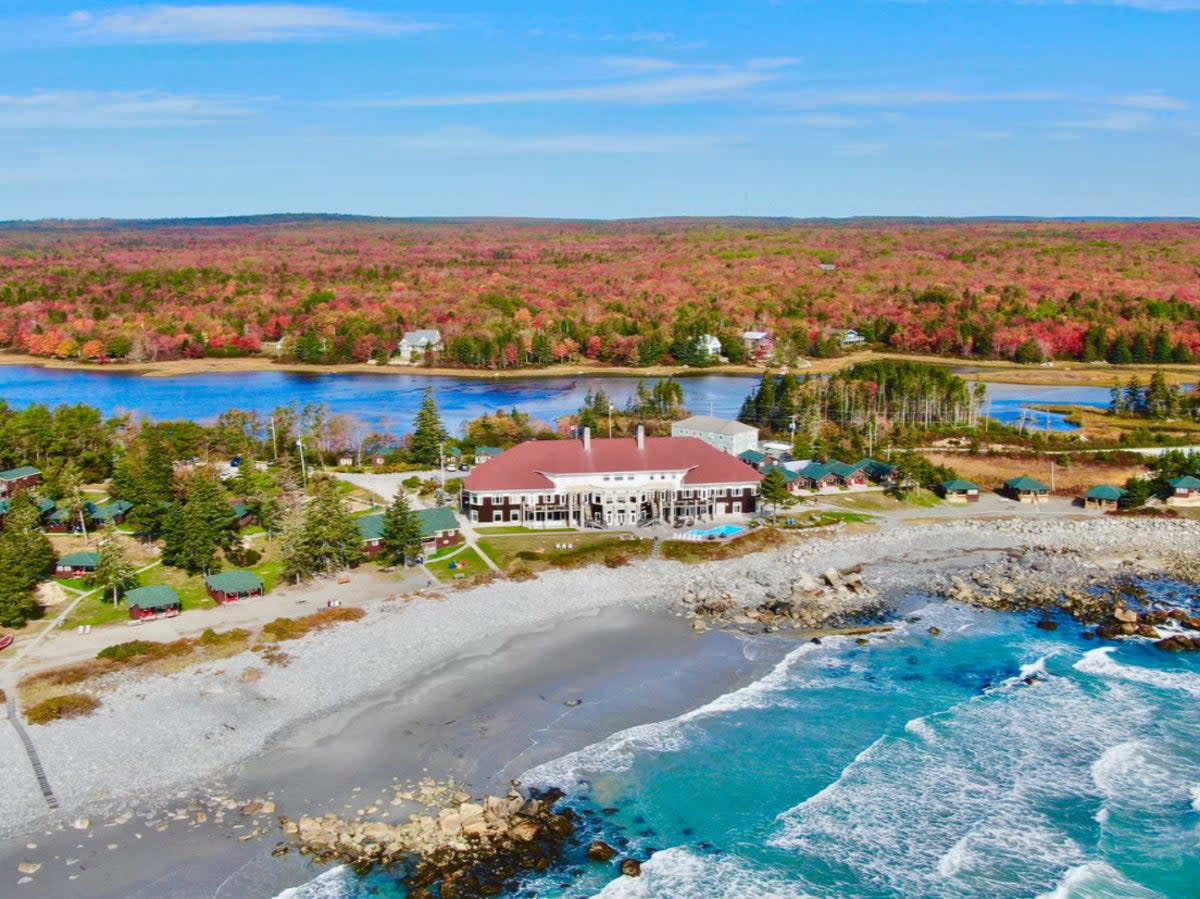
{"x": 416, "y": 346}
{"x": 728, "y": 436}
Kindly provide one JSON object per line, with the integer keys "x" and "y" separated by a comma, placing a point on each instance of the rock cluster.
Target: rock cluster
{"x": 797, "y": 601}
{"x": 1028, "y": 582}
{"x": 467, "y": 849}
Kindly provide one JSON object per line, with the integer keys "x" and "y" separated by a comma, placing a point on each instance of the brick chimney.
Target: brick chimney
{"x": 641, "y": 437}
{"x": 587, "y": 439}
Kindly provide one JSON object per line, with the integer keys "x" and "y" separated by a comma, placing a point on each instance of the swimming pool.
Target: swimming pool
{"x": 724, "y": 530}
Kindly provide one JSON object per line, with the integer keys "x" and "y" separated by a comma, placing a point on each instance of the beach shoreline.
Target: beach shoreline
{"x": 1057, "y": 374}
{"x": 463, "y": 679}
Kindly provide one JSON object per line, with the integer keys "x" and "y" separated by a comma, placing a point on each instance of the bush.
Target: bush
{"x": 141, "y": 651}
{"x": 224, "y": 638}
{"x": 58, "y": 708}
{"x": 294, "y": 628}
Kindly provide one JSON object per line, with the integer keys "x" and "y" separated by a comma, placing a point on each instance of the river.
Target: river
{"x": 391, "y": 400}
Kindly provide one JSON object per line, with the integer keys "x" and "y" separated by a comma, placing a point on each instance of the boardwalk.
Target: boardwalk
{"x": 14, "y": 718}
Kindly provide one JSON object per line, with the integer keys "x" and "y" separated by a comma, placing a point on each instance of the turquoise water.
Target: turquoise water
{"x": 994, "y": 760}
{"x": 724, "y": 530}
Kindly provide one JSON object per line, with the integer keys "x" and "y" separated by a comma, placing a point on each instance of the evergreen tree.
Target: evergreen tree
{"x": 1120, "y": 353}
{"x": 1162, "y": 346}
{"x": 1116, "y": 402}
{"x": 26, "y": 556}
{"x": 70, "y": 495}
{"x": 1134, "y": 399}
{"x": 146, "y": 478}
{"x": 1029, "y": 353}
{"x": 401, "y": 531}
{"x": 198, "y": 525}
{"x": 773, "y": 490}
{"x": 1141, "y": 348}
{"x": 326, "y": 539}
{"x": 765, "y": 401}
{"x": 424, "y": 447}
{"x": 115, "y": 573}
{"x": 1160, "y": 399}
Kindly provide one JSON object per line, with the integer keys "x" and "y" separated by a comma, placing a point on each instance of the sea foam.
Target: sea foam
{"x": 680, "y": 874}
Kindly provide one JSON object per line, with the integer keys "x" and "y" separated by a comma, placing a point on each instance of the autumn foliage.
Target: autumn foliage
{"x": 515, "y": 293}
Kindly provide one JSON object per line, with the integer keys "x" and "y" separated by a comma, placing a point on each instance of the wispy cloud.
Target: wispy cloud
{"x": 642, "y": 65}
{"x": 825, "y": 121}
{"x": 472, "y": 141}
{"x": 234, "y": 22}
{"x": 686, "y": 88}
{"x": 888, "y": 97}
{"x": 1153, "y": 101}
{"x": 115, "y": 109}
{"x": 1118, "y": 120}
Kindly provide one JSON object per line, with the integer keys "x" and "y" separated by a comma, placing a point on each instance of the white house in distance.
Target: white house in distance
{"x": 414, "y": 346}
{"x": 708, "y": 344}
{"x": 852, "y": 338}
{"x": 613, "y": 482}
{"x": 731, "y": 437}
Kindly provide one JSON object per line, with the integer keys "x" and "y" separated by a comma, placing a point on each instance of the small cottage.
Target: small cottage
{"x": 1185, "y": 491}
{"x": 960, "y": 491}
{"x": 1026, "y": 489}
{"x": 241, "y": 512}
{"x": 439, "y": 529}
{"x": 22, "y": 478}
{"x": 1103, "y": 496}
{"x": 231, "y": 586}
{"x": 110, "y": 514}
{"x": 80, "y": 564}
{"x": 486, "y": 453}
{"x": 150, "y": 602}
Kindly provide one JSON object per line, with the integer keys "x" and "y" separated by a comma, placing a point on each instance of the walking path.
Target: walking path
{"x": 14, "y": 718}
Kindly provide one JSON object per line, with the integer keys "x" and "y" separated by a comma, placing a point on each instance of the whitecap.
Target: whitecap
{"x": 617, "y": 752}
{"x": 1097, "y": 880}
{"x": 1099, "y": 662}
{"x": 679, "y": 874}
{"x": 336, "y": 883}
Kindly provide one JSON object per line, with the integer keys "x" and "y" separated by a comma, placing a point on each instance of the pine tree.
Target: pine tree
{"x": 325, "y": 539}
{"x": 1141, "y": 348}
{"x": 70, "y": 493}
{"x": 765, "y": 401}
{"x": 424, "y": 447}
{"x": 773, "y": 490}
{"x": 1159, "y": 398}
{"x": 401, "y": 531}
{"x": 198, "y": 525}
{"x": 115, "y": 573}
{"x": 26, "y": 556}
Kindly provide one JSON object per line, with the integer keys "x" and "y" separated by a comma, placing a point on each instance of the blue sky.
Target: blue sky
{"x": 613, "y": 109}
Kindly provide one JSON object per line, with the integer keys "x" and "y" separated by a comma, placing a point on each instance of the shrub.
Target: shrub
{"x": 224, "y": 638}
{"x": 58, "y": 708}
{"x": 294, "y": 628}
{"x": 139, "y": 652}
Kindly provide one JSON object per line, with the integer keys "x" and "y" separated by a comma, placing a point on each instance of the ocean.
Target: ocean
{"x": 991, "y": 760}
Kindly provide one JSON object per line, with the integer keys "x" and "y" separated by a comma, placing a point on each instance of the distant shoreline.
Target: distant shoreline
{"x": 1059, "y": 374}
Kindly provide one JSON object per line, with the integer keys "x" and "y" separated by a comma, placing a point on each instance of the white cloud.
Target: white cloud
{"x": 470, "y": 141}
{"x": 671, "y": 89}
{"x": 1118, "y": 120}
{"x": 114, "y": 109}
{"x": 893, "y": 97}
{"x": 234, "y": 22}
{"x": 1149, "y": 101}
{"x": 642, "y": 64}
{"x": 773, "y": 62}
{"x": 827, "y": 121}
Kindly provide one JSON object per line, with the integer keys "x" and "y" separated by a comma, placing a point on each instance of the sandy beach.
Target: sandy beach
{"x": 1063, "y": 374}
{"x": 471, "y": 686}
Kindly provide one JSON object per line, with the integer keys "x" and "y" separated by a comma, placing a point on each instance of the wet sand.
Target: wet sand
{"x": 481, "y": 719}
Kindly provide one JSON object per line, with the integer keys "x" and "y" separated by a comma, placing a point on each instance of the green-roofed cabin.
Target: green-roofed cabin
{"x": 878, "y": 472}
{"x": 24, "y": 478}
{"x": 439, "y": 529}
{"x": 231, "y": 586}
{"x": 1026, "y": 489}
{"x": 960, "y": 491}
{"x": 1185, "y": 491}
{"x": 1103, "y": 496}
{"x": 109, "y": 514}
{"x": 241, "y": 512}
{"x": 152, "y": 601}
{"x": 753, "y": 458}
{"x": 370, "y": 528}
{"x": 80, "y": 564}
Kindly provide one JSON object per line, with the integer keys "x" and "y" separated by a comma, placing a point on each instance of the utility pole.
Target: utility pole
{"x": 442, "y": 463}
{"x": 303, "y": 466}
{"x": 1051, "y": 475}
{"x": 274, "y": 442}
{"x": 610, "y": 419}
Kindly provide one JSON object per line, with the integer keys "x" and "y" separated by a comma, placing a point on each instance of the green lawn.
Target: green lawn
{"x": 881, "y": 502}
{"x": 517, "y": 529}
{"x": 467, "y": 563}
{"x": 820, "y": 518}
{"x": 540, "y": 551}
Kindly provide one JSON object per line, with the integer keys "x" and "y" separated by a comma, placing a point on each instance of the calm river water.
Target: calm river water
{"x": 393, "y": 398}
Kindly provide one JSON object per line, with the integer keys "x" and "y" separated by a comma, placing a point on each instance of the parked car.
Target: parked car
{"x": 464, "y": 467}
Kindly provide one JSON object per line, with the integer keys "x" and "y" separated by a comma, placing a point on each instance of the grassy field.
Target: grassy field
{"x": 818, "y": 518}
{"x": 538, "y": 552}
{"x": 1102, "y": 424}
{"x": 881, "y": 502}
{"x": 991, "y": 471}
{"x": 468, "y": 563}
{"x": 517, "y": 529}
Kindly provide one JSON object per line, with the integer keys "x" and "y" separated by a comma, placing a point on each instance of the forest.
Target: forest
{"x": 508, "y": 294}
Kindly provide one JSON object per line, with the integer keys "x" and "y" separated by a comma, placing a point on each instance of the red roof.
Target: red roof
{"x": 521, "y": 467}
